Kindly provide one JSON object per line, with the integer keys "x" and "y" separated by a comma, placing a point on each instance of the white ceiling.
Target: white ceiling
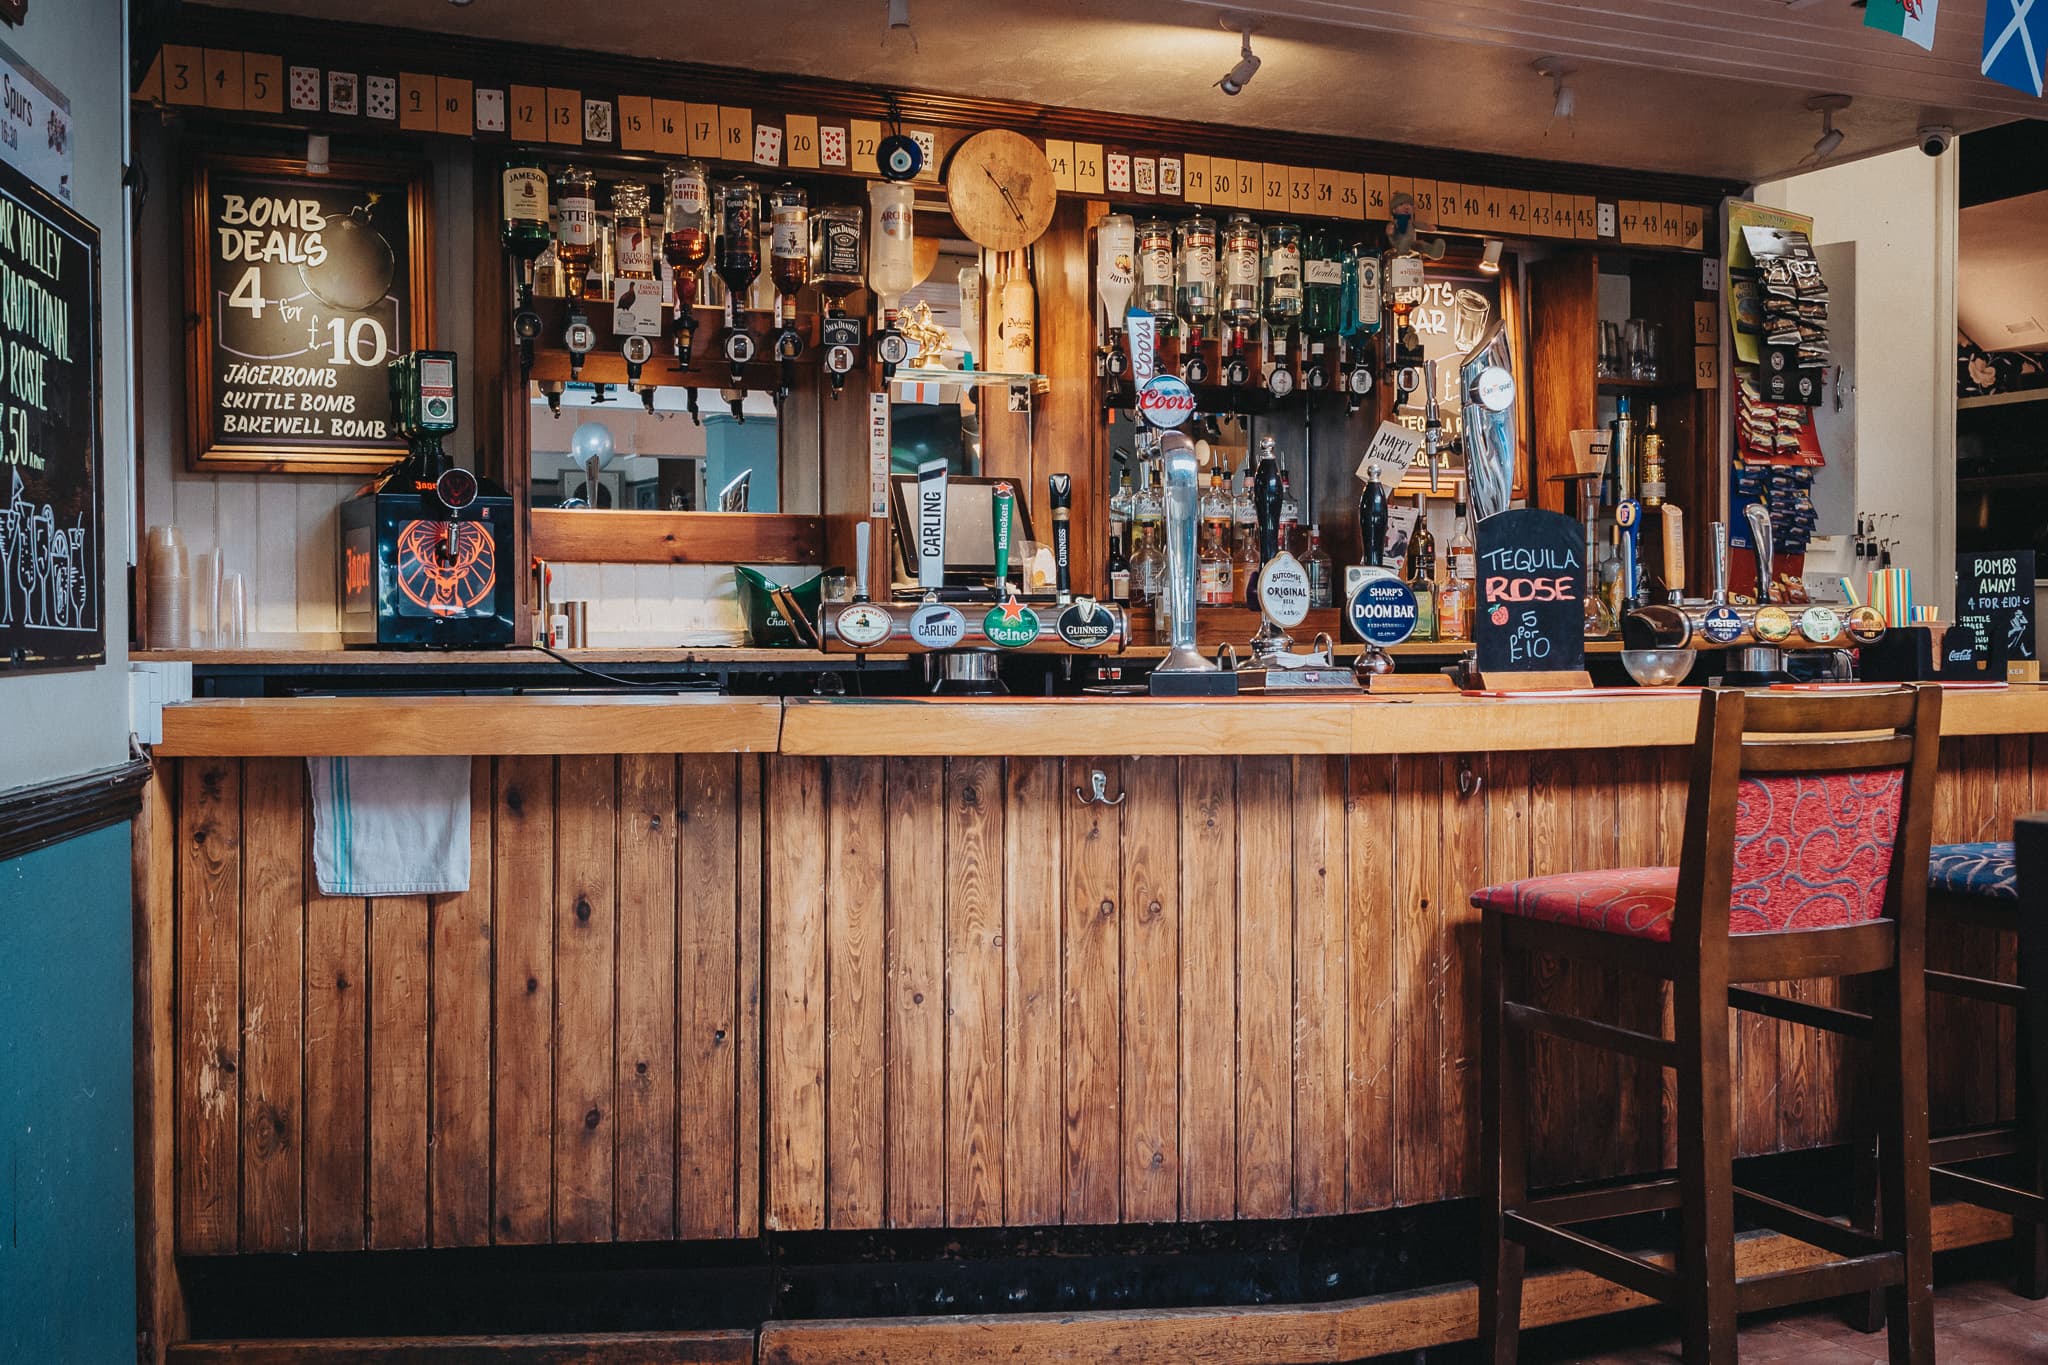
{"x": 2002, "y": 273}
{"x": 1673, "y": 85}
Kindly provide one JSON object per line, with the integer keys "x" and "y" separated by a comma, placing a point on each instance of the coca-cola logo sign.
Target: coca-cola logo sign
{"x": 1166, "y": 401}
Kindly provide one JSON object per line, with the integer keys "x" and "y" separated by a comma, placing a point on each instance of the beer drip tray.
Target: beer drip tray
{"x": 970, "y": 378}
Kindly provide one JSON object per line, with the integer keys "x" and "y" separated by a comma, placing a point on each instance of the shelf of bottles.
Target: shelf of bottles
{"x": 1248, "y": 314}
{"x": 735, "y": 281}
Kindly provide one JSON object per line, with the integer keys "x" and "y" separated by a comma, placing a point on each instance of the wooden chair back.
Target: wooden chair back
{"x": 1858, "y": 766}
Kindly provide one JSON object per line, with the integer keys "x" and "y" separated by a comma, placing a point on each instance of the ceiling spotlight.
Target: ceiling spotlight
{"x": 1239, "y": 76}
{"x": 1563, "y": 99}
{"x": 1830, "y": 139}
{"x": 1489, "y": 258}
{"x": 899, "y": 14}
{"x": 316, "y": 154}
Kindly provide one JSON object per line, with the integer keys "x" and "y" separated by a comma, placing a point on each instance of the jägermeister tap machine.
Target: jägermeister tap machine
{"x": 427, "y": 556}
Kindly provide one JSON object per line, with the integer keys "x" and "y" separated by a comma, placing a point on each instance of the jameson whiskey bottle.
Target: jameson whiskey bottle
{"x": 576, "y": 243}
{"x": 523, "y": 215}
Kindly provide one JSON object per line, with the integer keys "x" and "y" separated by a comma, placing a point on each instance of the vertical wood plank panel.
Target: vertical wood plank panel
{"x": 2015, "y": 798}
{"x": 1947, "y": 1014}
{"x": 1420, "y": 1168}
{"x": 1640, "y": 777}
{"x": 1675, "y": 775}
{"x": 1032, "y": 1162}
{"x": 1320, "y": 991}
{"x": 855, "y": 1089}
{"x": 459, "y": 1154}
{"x": 209, "y": 1004}
{"x": 522, "y": 1097}
{"x": 1463, "y": 872}
{"x": 973, "y": 885}
{"x": 273, "y": 1000}
{"x": 1265, "y": 979}
{"x": 336, "y": 1025}
{"x": 1091, "y": 1004}
{"x": 398, "y": 1071}
{"x": 1208, "y": 988}
{"x": 1373, "y": 1028}
{"x": 795, "y": 1047}
{"x": 1552, "y": 1076}
{"x": 708, "y": 948}
{"x": 1978, "y": 948}
{"x": 645, "y": 1082}
{"x": 1151, "y": 953}
{"x": 586, "y": 931}
{"x": 746, "y": 1030}
{"x": 916, "y": 1083}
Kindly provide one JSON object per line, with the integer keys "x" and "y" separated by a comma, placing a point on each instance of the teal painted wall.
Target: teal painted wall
{"x": 67, "y": 1129}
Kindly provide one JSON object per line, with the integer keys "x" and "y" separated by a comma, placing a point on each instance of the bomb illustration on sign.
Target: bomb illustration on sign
{"x": 358, "y": 265}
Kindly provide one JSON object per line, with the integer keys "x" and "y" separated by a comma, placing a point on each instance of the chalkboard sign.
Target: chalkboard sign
{"x": 52, "y": 546}
{"x": 1995, "y": 599}
{"x": 301, "y": 288}
{"x": 1531, "y": 602}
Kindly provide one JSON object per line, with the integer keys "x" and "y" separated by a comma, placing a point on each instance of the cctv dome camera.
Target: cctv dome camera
{"x": 1935, "y": 138}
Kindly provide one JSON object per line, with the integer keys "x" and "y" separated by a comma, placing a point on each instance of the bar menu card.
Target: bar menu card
{"x": 1530, "y": 608}
{"x": 51, "y": 529}
{"x": 1995, "y": 599}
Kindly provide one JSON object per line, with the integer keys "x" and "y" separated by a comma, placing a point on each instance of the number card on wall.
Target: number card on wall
{"x": 303, "y": 287}
{"x": 51, "y": 527}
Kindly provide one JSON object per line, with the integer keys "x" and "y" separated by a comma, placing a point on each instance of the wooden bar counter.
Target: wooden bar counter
{"x": 730, "y": 966}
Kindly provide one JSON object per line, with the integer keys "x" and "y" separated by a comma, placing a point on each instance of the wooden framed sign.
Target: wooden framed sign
{"x": 299, "y": 289}
{"x": 52, "y": 545}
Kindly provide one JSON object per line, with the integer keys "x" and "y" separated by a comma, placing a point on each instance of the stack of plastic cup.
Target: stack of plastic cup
{"x": 169, "y": 623}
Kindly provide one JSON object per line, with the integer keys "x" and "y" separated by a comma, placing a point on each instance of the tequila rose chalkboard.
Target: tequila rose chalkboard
{"x": 299, "y": 289}
{"x": 51, "y": 543}
{"x": 1530, "y": 610}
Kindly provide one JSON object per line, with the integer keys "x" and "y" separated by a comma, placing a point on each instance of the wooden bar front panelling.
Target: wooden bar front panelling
{"x": 1245, "y": 990}
{"x": 566, "y": 1051}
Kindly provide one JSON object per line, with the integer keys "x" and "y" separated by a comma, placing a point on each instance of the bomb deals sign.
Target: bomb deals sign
{"x": 301, "y": 289}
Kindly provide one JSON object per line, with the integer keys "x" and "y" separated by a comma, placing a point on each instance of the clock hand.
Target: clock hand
{"x": 1004, "y": 190}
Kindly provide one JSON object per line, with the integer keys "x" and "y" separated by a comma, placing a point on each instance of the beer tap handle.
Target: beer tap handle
{"x": 862, "y": 529}
{"x": 1674, "y": 550}
{"x": 931, "y": 525}
{"x": 1266, "y": 493}
{"x": 1002, "y": 504}
{"x": 1759, "y": 518}
{"x": 1372, "y": 520}
{"x": 1720, "y": 535}
{"x": 1432, "y": 421}
{"x": 1061, "y": 490}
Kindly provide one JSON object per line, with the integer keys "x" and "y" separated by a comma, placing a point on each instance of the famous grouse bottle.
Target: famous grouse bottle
{"x": 687, "y": 244}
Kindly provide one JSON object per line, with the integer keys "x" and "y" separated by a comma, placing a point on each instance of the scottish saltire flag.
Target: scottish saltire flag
{"x": 2015, "y": 35}
{"x": 1912, "y": 20}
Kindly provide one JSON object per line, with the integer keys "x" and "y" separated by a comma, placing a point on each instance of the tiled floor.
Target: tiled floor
{"x": 1978, "y": 1320}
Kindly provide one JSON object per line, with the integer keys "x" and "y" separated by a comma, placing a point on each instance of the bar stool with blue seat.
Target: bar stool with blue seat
{"x": 2003, "y": 886}
{"x": 1805, "y": 812}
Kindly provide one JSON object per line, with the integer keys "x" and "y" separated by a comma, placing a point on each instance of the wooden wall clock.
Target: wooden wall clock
{"x": 1000, "y": 188}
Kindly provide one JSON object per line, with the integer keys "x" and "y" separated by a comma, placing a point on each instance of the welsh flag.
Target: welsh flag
{"x": 1912, "y": 20}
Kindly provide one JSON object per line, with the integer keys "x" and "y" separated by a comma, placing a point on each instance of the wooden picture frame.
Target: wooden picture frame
{"x": 316, "y": 309}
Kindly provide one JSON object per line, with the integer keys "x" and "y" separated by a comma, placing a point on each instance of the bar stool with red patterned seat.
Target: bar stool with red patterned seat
{"x": 1804, "y": 815}
{"x": 2003, "y": 886}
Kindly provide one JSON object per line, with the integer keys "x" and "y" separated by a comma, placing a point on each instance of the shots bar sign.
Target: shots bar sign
{"x": 51, "y": 542}
{"x": 303, "y": 287}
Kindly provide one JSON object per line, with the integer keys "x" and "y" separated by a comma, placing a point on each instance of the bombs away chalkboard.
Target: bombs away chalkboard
{"x": 299, "y": 289}
{"x": 51, "y": 544}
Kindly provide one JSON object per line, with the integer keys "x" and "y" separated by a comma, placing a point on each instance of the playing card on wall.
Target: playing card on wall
{"x": 767, "y": 145}
{"x": 306, "y": 89}
{"x": 380, "y": 96}
{"x": 490, "y": 111}
{"x": 341, "y": 92}
{"x": 832, "y": 146}
{"x": 597, "y": 120}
